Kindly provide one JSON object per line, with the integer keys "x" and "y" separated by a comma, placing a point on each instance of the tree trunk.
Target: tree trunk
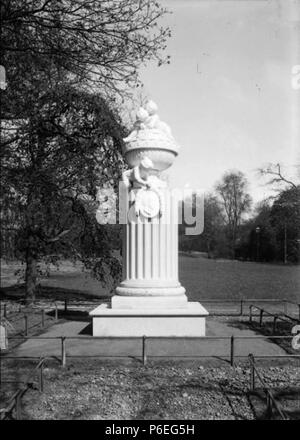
{"x": 30, "y": 276}
{"x": 233, "y": 242}
{"x": 208, "y": 248}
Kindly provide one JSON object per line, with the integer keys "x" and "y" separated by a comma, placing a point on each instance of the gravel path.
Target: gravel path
{"x": 141, "y": 393}
{"x": 161, "y": 392}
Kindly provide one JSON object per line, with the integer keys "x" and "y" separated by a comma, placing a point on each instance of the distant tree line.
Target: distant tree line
{"x": 271, "y": 233}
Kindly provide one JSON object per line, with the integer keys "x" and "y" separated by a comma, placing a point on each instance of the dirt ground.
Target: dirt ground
{"x": 91, "y": 390}
{"x": 164, "y": 389}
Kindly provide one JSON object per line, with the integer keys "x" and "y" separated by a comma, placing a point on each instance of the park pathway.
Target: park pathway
{"x": 183, "y": 347}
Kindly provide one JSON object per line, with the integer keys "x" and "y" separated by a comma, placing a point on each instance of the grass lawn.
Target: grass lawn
{"x": 203, "y": 279}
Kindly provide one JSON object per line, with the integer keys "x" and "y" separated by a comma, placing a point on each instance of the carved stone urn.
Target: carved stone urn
{"x": 155, "y": 144}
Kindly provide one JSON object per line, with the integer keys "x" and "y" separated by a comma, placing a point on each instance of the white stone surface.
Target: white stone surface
{"x": 151, "y": 138}
{"x": 186, "y": 321}
{"x": 150, "y": 253}
{"x": 150, "y": 300}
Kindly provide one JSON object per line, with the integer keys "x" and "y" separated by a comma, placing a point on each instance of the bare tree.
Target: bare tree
{"x": 235, "y": 200}
{"x": 274, "y": 172}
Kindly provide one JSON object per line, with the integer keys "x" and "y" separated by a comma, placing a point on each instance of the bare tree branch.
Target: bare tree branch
{"x": 275, "y": 170}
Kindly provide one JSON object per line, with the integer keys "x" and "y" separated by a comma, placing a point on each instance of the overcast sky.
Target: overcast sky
{"x": 227, "y": 93}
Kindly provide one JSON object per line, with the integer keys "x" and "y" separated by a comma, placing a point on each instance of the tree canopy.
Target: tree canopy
{"x": 66, "y": 63}
{"x": 100, "y": 42}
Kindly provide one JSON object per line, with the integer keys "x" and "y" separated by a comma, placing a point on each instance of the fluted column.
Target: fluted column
{"x": 150, "y": 253}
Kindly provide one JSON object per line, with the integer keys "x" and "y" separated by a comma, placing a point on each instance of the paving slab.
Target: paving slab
{"x": 84, "y": 345}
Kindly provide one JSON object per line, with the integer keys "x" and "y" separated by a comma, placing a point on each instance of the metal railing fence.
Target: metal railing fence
{"x": 270, "y": 399}
{"x": 14, "y": 402}
{"x": 144, "y": 354}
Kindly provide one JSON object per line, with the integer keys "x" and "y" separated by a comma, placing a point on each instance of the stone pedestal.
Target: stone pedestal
{"x": 150, "y": 300}
{"x": 159, "y": 321}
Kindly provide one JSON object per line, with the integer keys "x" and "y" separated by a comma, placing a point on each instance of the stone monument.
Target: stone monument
{"x": 150, "y": 300}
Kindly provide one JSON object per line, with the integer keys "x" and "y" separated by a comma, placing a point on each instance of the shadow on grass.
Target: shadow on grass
{"x": 282, "y": 329}
{"x": 71, "y": 315}
{"x": 17, "y": 292}
{"x": 88, "y": 330}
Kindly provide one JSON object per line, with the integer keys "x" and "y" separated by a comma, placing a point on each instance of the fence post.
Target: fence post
{"x": 285, "y": 307}
{"x": 144, "y": 351}
{"x": 26, "y": 324}
{"x": 4, "y": 310}
{"x": 66, "y": 306}
{"x": 242, "y": 308}
{"x": 41, "y": 378}
{"x": 261, "y": 317}
{"x": 63, "y": 351}
{"x": 269, "y": 405}
{"x": 274, "y": 324}
{"x": 43, "y": 318}
{"x": 56, "y": 312}
{"x": 250, "y": 314}
{"x": 18, "y": 407}
{"x": 232, "y": 351}
{"x": 252, "y": 372}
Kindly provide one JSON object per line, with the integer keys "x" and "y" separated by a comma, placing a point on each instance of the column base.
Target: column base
{"x": 142, "y": 290}
{"x": 148, "y": 302}
{"x": 183, "y": 321}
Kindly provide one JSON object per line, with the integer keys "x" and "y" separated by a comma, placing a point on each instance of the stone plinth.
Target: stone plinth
{"x": 160, "y": 321}
{"x": 150, "y": 300}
